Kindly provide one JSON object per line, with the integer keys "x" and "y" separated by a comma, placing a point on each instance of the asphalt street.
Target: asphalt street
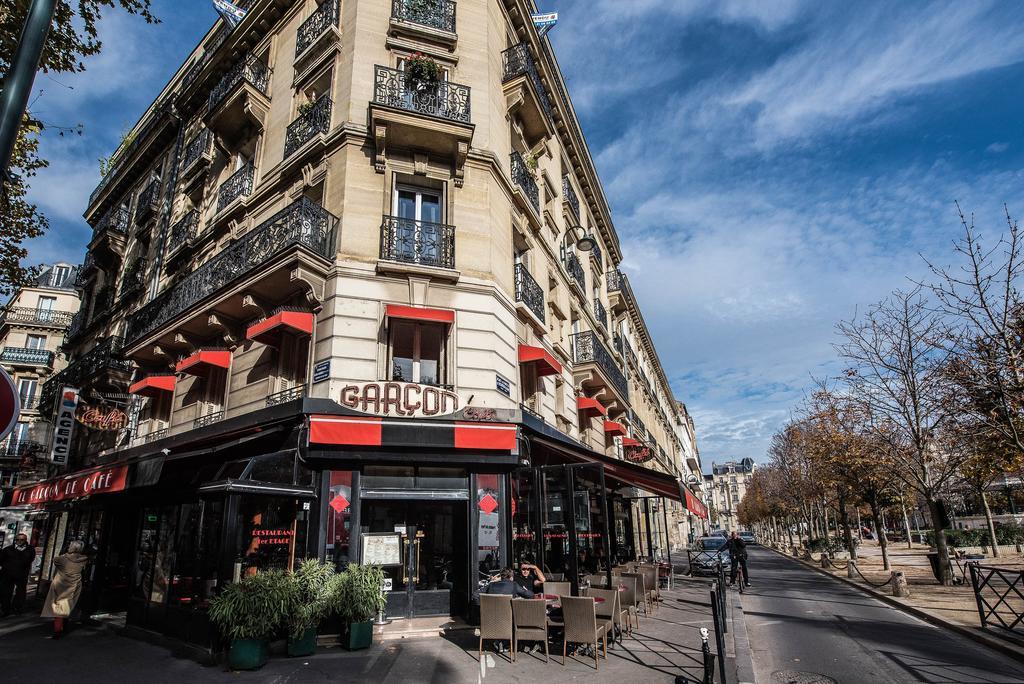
{"x": 800, "y": 621}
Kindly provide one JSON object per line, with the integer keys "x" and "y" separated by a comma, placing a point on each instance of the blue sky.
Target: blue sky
{"x": 770, "y": 165}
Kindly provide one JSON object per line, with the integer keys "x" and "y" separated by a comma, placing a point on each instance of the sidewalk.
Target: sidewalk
{"x": 666, "y": 645}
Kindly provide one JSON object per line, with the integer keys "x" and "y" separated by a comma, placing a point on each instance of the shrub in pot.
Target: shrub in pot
{"x": 311, "y": 602}
{"x": 356, "y": 597}
{"x": 422, "y": 72}
{"x": 249, "y": 612}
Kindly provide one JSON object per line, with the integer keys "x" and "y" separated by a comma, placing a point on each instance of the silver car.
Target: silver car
{"x": 708, "y": 554}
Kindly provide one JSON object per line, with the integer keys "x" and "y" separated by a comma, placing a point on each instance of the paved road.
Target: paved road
{"x": 800, "y": 620}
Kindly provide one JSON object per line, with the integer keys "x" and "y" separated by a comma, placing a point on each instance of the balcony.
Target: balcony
{"x": 596, "y": 371}
{"x": 619, "y": 292}
{"x": 524, "y": 183}
{"x": 195, "y": 161}
{"x": 422, "y": 243}
{"x": 525, "y": 95}
{"x": 134, "y": 279}
{"x": 569, "y": 197}
{"x": 528, "y": 293}
{"x": 297, "y": 392}
{"x": 427, "y": 19}
{"x": 598, "y": 258}
{"x": 208, "y": 419}
{"x": 183, "y": 231}
{"x": 322, "y": 22}
{"x": 315, "y": 121}
{"x": 239, "y": 100}
{"x": 47, "y": 318}
{"x": 238, "y": 184}
{"x": 109, "y": 236}
{"x": 148, "y": 203}
{"x": 268, "y": 263}
{"x": 601, "y": 314}
{"x": 575, "y": 271}
{"x": 29, "y": 403}
{"x": 433, "y": 117}
{"x": 12, "y": 448}
{"x": 23, "y": 356}
{"x": 102, "y": 365}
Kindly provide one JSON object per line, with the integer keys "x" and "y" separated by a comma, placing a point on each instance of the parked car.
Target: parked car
{"x": 748, "y": 538}
{"x": 710, "y": 552}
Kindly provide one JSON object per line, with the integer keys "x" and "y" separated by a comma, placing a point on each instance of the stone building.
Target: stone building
{"x": 724, "y": 487}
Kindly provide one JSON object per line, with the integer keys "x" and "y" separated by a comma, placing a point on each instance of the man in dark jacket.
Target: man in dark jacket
{"x": 738, "y": 553}
{"x": 15, "y": 565}
{"x": 508, "y": 585}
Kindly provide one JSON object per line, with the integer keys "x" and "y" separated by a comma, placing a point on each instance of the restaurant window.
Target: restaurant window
{"x": 489, "y": 524}
{"x": 417, "y": 352}
{"x": 196, "y": 553}
{"x": 268, "y": 535}
{"x": 339, "y": 517}
{"x": 525, "y": 522}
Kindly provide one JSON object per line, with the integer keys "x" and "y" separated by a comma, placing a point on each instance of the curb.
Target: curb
{"x": 992, "y": 642}
{"x": 743, "y": 660}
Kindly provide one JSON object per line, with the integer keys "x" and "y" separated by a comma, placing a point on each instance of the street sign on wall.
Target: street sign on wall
{"x": 10, "y": 404}
{"x": 64, "y": 424}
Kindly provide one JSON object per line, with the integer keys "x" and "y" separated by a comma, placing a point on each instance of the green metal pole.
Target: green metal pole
{"x": 18, "y": 83}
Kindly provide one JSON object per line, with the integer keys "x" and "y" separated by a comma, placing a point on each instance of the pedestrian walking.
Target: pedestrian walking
{"x": 66, "y": 586}
{"x": 15, "y": 566}
{"x": 738, "y": 556}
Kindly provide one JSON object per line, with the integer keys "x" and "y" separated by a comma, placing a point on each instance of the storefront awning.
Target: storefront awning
{"x": 268, "y": 330}
{"x": 73, "y": 486}
{"x": 588, "y": 404}
{"x": 546, "y": 363}
{"x": 203, "y": 360}
{"x": 613, "y": 428}
{"x": 419, "y": 313}
{"x": 373, "y": 431}
{"x": 694, "y": 505}
{"x": 153, "y": 385}
{"x": 629, "y": 442}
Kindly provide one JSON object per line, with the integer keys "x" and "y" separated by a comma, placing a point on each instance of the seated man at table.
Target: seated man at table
{"x": 505, "y": 585}
{"x": 530, "y": 576}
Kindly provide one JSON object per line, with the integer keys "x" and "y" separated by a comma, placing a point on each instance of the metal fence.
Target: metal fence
{"x": 999, "y": 593}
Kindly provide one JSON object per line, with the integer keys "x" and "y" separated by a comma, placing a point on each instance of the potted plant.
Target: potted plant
{"x": 357, "y": 597}
{"x": 310, "y": 586}
{"x": 249, "y": 612}
{"x": 422, "y": 72}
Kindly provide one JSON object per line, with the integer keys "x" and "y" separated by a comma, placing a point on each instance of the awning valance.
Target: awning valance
{"x": 629, "y": 442}
{"x": 419, "y": 313}
{"x": 588, "y": 404}
{"x": 694, "y": 505}
{"x": 375, "y": 431}
{"x": 153, "y": 385}
{"x": 201, "y": 361}
{"x": 546, "y": 363}
{"x": 613, "y": 428}
{"x": 267, "y": 330}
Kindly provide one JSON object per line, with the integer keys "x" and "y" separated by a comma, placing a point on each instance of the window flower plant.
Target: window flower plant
{"x": 422, "y": 71}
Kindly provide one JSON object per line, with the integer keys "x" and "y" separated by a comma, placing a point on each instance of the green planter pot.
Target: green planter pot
{"x": 359, "y": 635}
{"x": 247, "y": 654}
{"x": 304, "y": 646}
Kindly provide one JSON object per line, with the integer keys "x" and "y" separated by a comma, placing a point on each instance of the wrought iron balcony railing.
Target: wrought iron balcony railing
{"x": 28, "y": 316}
{"x": 195, "y": 148}
{"x": 238, "y": 184}
{"x": 301, "y": 223}
{"x": 316, "y": 120}
{"x": 522, "y": 177}
{"x": 149, "y": 201}
{"x": 570, "y": 196}
{"x": 322, "y": 18}
{"x": 575, "y": 270}
{"x": 27, "y": 357}
{"x": 29, "y": 403}
{"x": 248, "y": 69}
{"x": 115, "y": 221}
{"x": 517, "y": 61}
{"x": 616, "y": 280}
{"x": 444, "y": 99}
{"x": 417, "y": 242}
{"x": 529, "y": 292}
{"x": 134, "y": 278}
{"x": 438, "y": 14}
{"x": 598, "y": 256}
{"x": 208, "y": 419}
{"x": 17, "y": 448}
{"x": 287, "y": 395}
{"x": 639, "y": 429}
{"x": 77, "y": 326}
{"x": 154, "y": 435}
{"x": 105, "y": 356}
{"x": 600, "y": 313}
{"x": 182, "y": 232}
{"x": 587, "y": 347}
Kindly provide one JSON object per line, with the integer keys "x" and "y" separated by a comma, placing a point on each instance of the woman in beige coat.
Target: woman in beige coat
{"x": 66, "y": 586}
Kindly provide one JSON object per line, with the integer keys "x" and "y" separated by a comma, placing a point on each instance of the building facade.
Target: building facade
{"x": 724, "y": 488}
{"x": 355, "y": 279}
{"x": 32, "y": 327}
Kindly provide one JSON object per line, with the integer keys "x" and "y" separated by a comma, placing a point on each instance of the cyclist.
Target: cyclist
{"x": 738, "y": 555}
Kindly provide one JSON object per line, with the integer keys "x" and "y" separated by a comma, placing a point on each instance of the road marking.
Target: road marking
{"x": 773, "y": 622}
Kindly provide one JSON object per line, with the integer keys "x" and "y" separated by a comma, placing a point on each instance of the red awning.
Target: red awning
{"x": 376, "y": 431}
{"x": 419, "y": 313}
{"x": 267, "y": 330}
{"x": 153, "y": 385}
{"x": 546, "y": 363}
{"x": 83, "y": 483}
{"x": 613, "y": 428}
{"x": 694, "y": 505}
{"x": 629, "y": 441}
{"x": 588, "y": 404}
{"x": 201, "y": 361}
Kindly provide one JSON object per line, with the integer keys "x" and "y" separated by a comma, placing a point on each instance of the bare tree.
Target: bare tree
{"x": 896, "y": 360}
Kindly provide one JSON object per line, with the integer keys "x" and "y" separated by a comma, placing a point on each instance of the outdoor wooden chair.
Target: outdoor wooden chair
{"x": 650, "y": 575}
{"x": 581, "y": 626}
{"x": 608, "y": 610}
{"x": 628, "y": 600}
{"x": 496, "y": 622}
{"x": 558, "y": 588}
{"x": 640, "y": 589}
{"x": 600, "y": 581}
{"x": 531, "y": 622}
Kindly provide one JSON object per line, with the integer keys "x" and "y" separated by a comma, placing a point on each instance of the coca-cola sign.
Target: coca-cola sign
{"x": 399, "y": 399}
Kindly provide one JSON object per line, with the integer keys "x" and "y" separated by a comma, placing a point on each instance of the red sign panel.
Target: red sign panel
{"x": 641, "y": 453}
{"x": 694, "y": 505}
{"x": 112, "y": 479}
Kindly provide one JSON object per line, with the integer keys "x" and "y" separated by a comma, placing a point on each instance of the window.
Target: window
{"x": 48, "y": 303}
{"x": 418, "y": 204}
{"x": 27, "y": 390}
{"x": 60, "y": 275}
{"x": 35, "y": 342}
{"x": 417, "y": 352}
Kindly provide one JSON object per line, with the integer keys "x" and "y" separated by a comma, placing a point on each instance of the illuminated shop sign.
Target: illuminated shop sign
{"x": 406, "y": 399}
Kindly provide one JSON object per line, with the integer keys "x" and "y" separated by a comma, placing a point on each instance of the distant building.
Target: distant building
{"x": 724, "y": 488}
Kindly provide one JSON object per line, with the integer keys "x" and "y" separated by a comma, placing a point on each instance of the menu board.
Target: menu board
{"x": 382, "y": 549}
